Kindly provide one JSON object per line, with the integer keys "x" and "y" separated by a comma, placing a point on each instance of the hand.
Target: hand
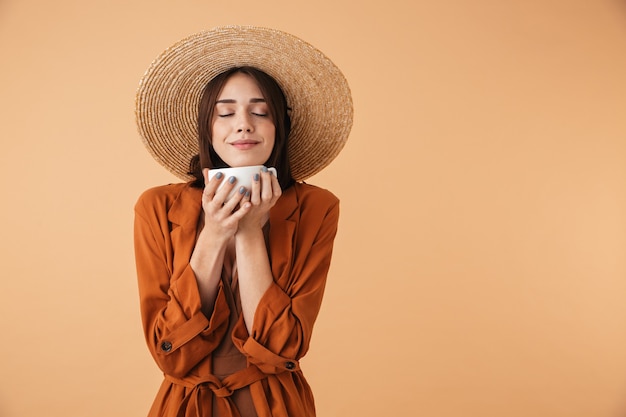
{"x": 222, "y": 215}
{"x": 263, "y": 195}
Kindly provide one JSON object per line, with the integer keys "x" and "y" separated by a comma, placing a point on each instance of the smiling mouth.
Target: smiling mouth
{"x": 244, "y": 144}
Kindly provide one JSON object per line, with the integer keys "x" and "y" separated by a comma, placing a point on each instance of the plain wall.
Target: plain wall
{"x": 480, "y": 266}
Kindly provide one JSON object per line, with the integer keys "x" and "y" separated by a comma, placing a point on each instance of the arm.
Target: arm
{"x": 178, "y": 334}
{"x": 284, "y": 318}
{"x": 220, "y": 222}
{"x": 206, "y": 262}
{"x": 184, "y": 310}
{"x": 255, "y": 273}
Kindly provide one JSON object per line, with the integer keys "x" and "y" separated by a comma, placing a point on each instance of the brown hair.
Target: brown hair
{"x": 278, "y": 110}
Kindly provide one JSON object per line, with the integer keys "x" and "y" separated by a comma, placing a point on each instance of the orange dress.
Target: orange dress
{"x": 184, "y": 341}
{"x": 227, "y": 359}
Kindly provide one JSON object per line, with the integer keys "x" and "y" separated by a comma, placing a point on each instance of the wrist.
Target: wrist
{"x": 249, "y": 233}
{"x": 213, "y": 238}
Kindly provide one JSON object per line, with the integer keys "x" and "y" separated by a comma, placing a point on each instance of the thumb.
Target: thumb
{"x": 205, "y": 174}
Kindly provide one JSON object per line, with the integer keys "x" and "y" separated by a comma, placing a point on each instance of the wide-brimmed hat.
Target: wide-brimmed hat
{"x": 316, "y": 91}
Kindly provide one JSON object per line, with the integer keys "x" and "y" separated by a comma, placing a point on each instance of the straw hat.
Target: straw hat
{"x": 316, "y": 91}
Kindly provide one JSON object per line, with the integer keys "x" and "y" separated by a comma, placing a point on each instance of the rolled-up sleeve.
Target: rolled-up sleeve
{"x": 284, "y": 319}
{"x": 177, "y": 333}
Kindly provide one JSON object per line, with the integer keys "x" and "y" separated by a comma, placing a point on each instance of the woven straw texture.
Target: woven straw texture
{"x": 316, "y": 90}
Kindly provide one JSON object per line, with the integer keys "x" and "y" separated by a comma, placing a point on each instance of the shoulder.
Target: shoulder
{"x": 312, "y": 205}
{"x": 305, "y": 203}
{"x": 317, "y": 214}
{"x": 312, "y": 196}
{"x": 161, "y": 197}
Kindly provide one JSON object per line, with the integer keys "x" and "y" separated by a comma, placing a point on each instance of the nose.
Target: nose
{"x": 244, "y": 124}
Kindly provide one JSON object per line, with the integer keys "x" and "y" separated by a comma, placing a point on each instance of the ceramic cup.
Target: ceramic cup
{"x": 244, "y": 176}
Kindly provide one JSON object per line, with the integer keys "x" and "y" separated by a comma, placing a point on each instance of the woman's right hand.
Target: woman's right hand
{"x": 222, "y": 214}
{"x": 221, "y": 219}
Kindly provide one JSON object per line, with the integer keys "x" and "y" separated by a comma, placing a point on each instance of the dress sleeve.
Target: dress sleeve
{"x": 284, "y": 318}
{"x": 177, "y": 333}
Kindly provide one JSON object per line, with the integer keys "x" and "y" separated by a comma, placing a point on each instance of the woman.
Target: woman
{"x": 230, "y": 287}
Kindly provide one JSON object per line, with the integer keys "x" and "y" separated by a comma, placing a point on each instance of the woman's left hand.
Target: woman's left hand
{"x": 263, "y": 195}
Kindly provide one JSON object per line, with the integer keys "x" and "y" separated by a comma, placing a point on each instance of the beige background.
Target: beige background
{"x": 480, "y": 266}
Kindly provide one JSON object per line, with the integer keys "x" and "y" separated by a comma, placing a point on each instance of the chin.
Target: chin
{"x": 246, "y": 162}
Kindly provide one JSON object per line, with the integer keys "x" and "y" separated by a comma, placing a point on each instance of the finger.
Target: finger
{"x": 236, "y": 198}
{"x": 277, "y": 191}
{"x": 266, "y": 184}
{"x": 246, "y": 197}
{"x": 244, "y": 208}
{"x": 271, "y": 190}
{"x": 222, "y": 193}
{"x": 255, "y": 191}
{"x": 210, "y": 187}
{"x": 205, "y": 174}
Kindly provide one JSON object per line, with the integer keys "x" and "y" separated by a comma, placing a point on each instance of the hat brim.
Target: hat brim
{"x": 316, "y": 91}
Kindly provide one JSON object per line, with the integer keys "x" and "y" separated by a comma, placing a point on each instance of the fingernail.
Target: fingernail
{"x": 219, "y": 175}
{"x": 247, "y": 193}
{"x": 256, "y": 177}
{"x": 242, "y": 190}
{"x": 264, "y": 169}
{"x": 232, "y": 180}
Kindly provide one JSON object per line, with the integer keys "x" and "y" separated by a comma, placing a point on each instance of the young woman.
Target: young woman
{"x": 230, "y": 287}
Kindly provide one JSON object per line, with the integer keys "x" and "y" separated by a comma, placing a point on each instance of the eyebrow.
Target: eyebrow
{"x": 231, "y": 101}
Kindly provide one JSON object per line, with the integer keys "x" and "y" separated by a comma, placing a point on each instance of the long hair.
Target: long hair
{"x": 278, "y": 110}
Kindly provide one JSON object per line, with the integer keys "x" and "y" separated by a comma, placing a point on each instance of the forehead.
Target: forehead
{"x": 240, "y": 86}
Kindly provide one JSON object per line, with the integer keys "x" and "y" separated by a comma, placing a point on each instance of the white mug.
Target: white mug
{"x": 244, "y": 176}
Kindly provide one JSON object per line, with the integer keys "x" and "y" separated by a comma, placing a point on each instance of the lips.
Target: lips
{"x": 244, "y": 143}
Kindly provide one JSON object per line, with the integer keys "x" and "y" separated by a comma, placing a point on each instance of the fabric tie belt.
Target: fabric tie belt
{"x": 202, "y": 390}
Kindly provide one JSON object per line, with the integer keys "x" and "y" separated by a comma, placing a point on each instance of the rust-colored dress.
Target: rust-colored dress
{"x": 188, "y": 345}
{"x": 227, "y": 359}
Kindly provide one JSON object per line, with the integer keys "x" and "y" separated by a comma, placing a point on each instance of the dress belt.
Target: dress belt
{"x": 202, "y": 389}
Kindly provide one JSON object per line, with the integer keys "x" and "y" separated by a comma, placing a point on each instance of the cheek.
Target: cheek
{"x": 270, "y": 131}
{"x": 217, "y": 129}
{"x": 271, "y": 135}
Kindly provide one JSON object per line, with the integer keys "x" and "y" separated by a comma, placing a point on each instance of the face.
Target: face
{"x": 243, "y": 132}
